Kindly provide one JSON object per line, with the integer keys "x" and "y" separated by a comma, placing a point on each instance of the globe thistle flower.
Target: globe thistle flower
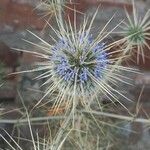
{"x": 78, "y": 67}
{"x": 50, "y": 8}
{"x": 74, "y": 64}
{"x": 136, "y": 33}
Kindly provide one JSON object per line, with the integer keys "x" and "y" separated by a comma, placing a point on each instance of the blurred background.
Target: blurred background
{"x": 18, "y": 16}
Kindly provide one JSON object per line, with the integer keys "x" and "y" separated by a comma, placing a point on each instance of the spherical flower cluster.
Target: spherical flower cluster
{"x": 136, "y": 33}
{"x": 79, "y": 63}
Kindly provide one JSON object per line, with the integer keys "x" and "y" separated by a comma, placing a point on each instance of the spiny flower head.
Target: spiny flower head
{"x": 78, "y": 67}
{"x": 50, "y": 8}
{"x": 78, "y": 62}
{"x": 136, "y": 32}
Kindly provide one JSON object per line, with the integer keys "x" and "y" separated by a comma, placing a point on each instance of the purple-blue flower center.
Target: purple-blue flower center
{"x": 79, "y": 60}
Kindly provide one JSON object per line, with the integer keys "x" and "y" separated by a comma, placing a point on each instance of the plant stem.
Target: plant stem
{"x": 36, "y": 119}
{"x": 121, "y": 117}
